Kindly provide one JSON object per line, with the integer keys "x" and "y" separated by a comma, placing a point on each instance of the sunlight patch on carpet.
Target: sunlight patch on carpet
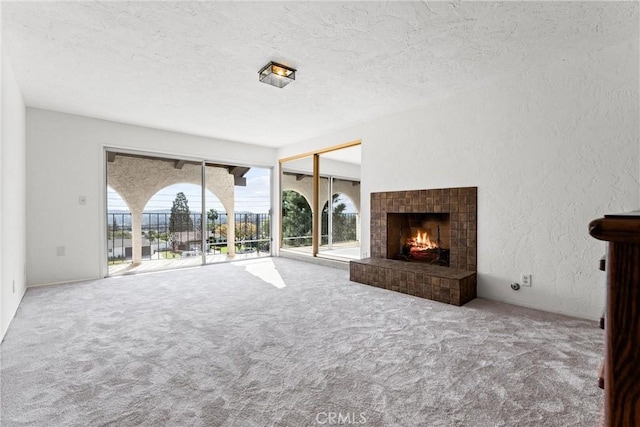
{"x": 264, "y": 269}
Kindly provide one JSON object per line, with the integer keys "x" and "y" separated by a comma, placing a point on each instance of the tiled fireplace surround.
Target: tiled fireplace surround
{"x": 455, "y": 284}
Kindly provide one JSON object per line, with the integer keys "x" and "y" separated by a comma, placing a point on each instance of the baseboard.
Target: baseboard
{"x": 13, "y": 315}
{"x": 39, "y": 285}
{"x": 519, "y": 303}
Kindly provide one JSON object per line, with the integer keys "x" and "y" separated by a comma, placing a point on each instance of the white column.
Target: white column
{"x": 231, "y": 233}
{"x": 136, "y": 237}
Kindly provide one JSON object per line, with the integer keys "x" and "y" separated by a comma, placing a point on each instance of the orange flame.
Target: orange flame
{"x": 421, "y": 241}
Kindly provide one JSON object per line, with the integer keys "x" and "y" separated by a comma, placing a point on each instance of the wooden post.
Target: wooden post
{"x": 280, "y": 198}
{"x": 315, "y": 208}
{"x": 622, "y": 328}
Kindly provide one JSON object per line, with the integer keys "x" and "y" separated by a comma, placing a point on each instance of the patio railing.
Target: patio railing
{"x": 161, "y": 239}
{"x": 344, "y": 230}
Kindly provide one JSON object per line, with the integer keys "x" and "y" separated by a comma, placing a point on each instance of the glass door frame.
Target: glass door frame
{"x": 317, "y": 214}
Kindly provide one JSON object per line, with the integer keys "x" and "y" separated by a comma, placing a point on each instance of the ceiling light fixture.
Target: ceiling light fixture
{"x": 277, "y": 75}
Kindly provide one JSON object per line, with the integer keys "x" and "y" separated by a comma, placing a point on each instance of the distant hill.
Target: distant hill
{"x": 159, "y": 218}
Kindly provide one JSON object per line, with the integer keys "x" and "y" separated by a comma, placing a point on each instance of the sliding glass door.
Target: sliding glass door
{"x": 296, "y": 201}
{"x": 238, "y": 212}
{"x": 165, "y": 213}
{"x": 340, "y": 203}
{"x": 340, "y": 223}
{"x": 153, "y": 212}
{"x": 321, "y": 193}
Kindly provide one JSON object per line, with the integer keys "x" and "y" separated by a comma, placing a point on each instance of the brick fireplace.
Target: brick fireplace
{"x": 448, "y": 216}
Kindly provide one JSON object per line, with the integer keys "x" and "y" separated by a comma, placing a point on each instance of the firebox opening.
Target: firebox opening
{"x": 419, "y": 237}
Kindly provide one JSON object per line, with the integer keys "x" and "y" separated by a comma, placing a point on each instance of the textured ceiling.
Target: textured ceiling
{"x": 192, "y": 66}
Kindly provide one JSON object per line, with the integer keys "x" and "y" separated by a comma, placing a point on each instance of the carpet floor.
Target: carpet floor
{"x": 278, "y": 342}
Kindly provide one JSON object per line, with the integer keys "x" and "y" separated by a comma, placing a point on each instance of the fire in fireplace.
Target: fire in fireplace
{"x": 420, "y": 247}
{"x": 418, "y": 237}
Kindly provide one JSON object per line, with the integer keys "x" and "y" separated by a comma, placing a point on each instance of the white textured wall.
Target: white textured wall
{"x": 12, "y": 198}
{"x": 2, "y": 77}
{"x": 549, "y": 151}
{"x": 65, "y": 160}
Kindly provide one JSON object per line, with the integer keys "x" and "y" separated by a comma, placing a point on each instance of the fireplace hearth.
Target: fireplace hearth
{"x": 424, "y": 243}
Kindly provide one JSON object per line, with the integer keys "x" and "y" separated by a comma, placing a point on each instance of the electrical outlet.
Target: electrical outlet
{"x": 60, "y": 250}
{"x": 525, "y": 280}
{"x": 82, "y": 200}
